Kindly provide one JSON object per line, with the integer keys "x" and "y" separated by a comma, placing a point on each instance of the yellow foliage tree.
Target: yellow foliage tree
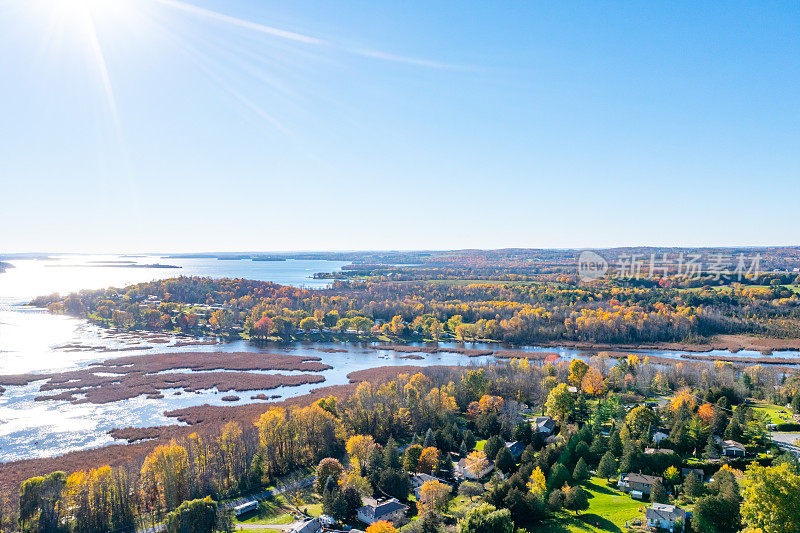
{"x": 359, "y": 448}
{"x": 537, "y": 484}
{"x": 381, "y": 526}
{"x": 593, "y": 383}
{"x": 428, "y": 460}
{"x": 433, "y": 496}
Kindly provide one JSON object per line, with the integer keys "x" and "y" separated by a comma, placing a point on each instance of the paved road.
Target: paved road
{"x": 785, "y": 441}
{"x": 276, "y": 527}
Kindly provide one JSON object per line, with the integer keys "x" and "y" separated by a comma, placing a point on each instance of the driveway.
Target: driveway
{"x": 785, "y": 441}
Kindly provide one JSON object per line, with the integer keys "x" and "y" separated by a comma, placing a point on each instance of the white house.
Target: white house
{"x": 390, "y": 510}
{"x": 469, "y": 473}
{"x": 663, "y": 516}
{"x": 417, "y": 480}
{"x": 659, "y": 435}
{"x": 309, "y": 526}
{"x": 731, "y": 448}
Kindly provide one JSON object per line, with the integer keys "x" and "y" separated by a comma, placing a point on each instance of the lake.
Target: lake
{"x": 32, "y": 340}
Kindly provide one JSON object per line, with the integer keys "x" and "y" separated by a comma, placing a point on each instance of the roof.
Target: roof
{"x": 641, "y": 478}
{"x": 385, "y": 508}
{"x": 661, "y": 511}
{"x": 312, "y": 526}
{"x": 545, "y": 421}
{"x": 516, "y": 448}
{"x": 424, "y": 478}
{"x": 651, "y": 451}
{"x": 732, "y": 444}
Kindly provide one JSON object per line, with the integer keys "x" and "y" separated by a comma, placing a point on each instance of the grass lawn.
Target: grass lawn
{"x": 276, "y": 510}
{"x": 777, "y": 414}
{"x": 608, "y": 510}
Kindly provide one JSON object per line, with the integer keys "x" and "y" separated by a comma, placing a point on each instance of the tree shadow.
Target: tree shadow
{"x": 597, "y": 521}
{"x": 569, "y": 523}
{"x": 601, "y": 489}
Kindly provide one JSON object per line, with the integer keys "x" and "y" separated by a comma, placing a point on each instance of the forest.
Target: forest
{"x": 428, "y": 304}
{"x": 475, "y": 433}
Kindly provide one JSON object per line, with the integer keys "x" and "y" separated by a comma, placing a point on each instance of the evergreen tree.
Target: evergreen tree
{"x": 504, "y": 461}
{"x": 430, "y": 440}
{"x": 581, "y": 472}
{"x": 712, "y": 449}
{"x": 615, "y": 444}
{"x": 492, "y": 446}
{"x": 608, "y": 466}
{"x": 658, "y": 494}
{"x": 692, "y": 486}
{"x": 468, "y": 438}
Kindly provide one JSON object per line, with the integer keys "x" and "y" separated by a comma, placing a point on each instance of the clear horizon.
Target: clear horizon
{"x": 135, "y": 125}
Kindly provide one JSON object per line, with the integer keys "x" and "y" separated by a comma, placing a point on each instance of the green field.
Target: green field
{"x": 608, "y": 510}
{"x": 776, "y": 413}
{"x": 277, "y": 511}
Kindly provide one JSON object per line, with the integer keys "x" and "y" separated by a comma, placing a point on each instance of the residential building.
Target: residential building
{"x": 417, "y": 480}
{"x": 462, "y": 470}
{"x": 638, "y": 486}
{"x": 664, "y": 517}
{"x": 516, "y": 448}
{"x": 390, "y": 510}
{"x": 544, "y": 424}
{"x": 731, "y": 448}
{"x": 309, "y": 526}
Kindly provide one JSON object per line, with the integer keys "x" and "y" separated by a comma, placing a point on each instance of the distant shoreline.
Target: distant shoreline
{"x": 114, "y": 265}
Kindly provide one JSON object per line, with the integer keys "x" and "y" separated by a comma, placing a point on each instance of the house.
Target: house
{"x": 701, "y": 475}
{"x": 463, "y": 471}
{"x": 663, "y": 516}
{"x": 638, "y": 485}
{"x": 309, "y": 526}
{"x": 544, "y": 424}
{"x": 659, "y": 435}
{"x": 731, "y": 448}
{"x": 390, "y": 510}
{"x": 417, "y": 480}
{"x": 516, "y": 448}
{"x": 651, "y": 451}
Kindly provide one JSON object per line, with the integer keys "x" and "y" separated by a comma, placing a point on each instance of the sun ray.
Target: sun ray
{"x": 302, "y": 38}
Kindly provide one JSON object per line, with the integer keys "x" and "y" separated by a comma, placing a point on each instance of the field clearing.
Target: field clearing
{"x": 776, "y": 413}
{"x": 609, "y": 510}
{"x": 277, "y": 511}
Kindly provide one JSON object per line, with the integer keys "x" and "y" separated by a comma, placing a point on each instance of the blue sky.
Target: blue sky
{"x": 158, "y": 126}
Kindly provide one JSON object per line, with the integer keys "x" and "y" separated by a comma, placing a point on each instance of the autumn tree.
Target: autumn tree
{"x": 428, "y": 460}
{"x": 195, "y": 516}
{"x": 560, "y": 403}
{"x": 164, "y": 477}
{"x": 577, "y": 370}
{"x": 381, "y": 526}
{"x": 537, "y": 485}
{"x": 476, "y": 462}
{"x": 359, "y": 447}
{"x": 327, "y": 468}
{"x": 593, "y": 383}
{"x": 771, "y": 498}
{"x": 433, "y": 496}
